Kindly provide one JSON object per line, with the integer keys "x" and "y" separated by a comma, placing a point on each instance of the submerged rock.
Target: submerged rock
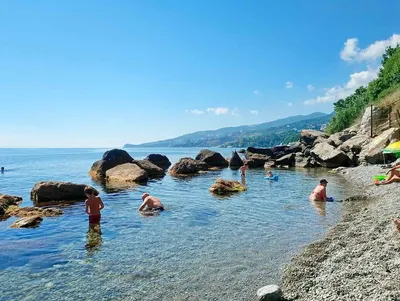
{"x": 58, "y": 191}
{"x": 211, "y": 158}
{"x": 27, "y": 222}
{"x": 235, "y": 162}
{"x": 8, "y": 200}
{"x": 33, "y": 211}
{"x": 269, "y": 293}
{"x": 187, "y": 167}
{"x": 110, "y": 159}
{"x": 223, "y": 187}
{"x": 126, "y": 173}
{"x": 151, "y": 169}
{"x": 159, "y": 160}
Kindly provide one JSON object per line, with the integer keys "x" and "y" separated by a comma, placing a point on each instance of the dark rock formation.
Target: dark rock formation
{"x": 286, "y": 160}
{"x": 8, "y": 200}
{"x": 110, "y": 159}
{"x": 58, "y": 191}
{"x": 187, "y": 167}
{"x": 211, "y": 158}
{"x": 159, "y": 160}
{"x": 152, "y": 170}
{"x": 235, "y": 162}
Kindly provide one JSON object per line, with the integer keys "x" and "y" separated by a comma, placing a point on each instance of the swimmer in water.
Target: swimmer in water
{"x": 151, "y": 203}
{"x": 2, "y": 169}
{"x": 319, "y": 193}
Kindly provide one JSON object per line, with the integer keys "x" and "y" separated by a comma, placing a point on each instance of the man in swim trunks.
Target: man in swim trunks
{"x": 319, "y": 193}
{"x": 243, "y": 169}
{"x": 93, "y": 206}
{"x": 151, "y": 203}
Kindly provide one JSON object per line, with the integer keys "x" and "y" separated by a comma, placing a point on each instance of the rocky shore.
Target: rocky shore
{"x": 359, "y": 257}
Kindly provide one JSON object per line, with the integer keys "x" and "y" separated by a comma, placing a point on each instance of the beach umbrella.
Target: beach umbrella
{"x": 393, "y": 148}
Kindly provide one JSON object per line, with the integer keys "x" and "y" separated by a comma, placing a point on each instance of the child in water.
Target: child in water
{"x": 269, "y": 174}
{"x": 94, "y": 205}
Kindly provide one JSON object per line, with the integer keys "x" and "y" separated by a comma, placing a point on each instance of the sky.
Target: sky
{"x": 104, "y": 73}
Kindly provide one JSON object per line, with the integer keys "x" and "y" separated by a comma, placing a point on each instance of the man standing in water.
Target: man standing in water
{"x": 243, "y": 169}
{"x": 319, "y": 193}
{"x": 151, "y": 203}
{"x": 94, "y": 205}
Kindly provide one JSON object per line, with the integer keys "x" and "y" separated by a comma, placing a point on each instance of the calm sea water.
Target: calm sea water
{"x": 200, "y": 248}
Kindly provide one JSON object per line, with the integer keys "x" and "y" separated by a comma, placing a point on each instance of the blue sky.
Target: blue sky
{"x": 105, "y": 73}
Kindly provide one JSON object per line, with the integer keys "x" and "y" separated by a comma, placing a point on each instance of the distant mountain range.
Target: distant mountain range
{"x": 262, "y": 135}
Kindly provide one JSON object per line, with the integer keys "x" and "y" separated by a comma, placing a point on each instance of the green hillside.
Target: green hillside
{"x": 388, "y": 81}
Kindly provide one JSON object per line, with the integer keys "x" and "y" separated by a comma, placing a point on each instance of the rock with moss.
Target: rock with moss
{"x": 8, "y": 200}
{"x": 33, "y": 211}
{"x": 224, "y": 187}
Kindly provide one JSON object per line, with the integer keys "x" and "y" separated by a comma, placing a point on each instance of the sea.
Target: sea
{"x": 202, "y": 247}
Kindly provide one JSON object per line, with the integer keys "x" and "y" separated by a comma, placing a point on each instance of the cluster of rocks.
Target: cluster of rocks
{"x": 224, "y": 187}
{"x": 117, "y": 166}
{"x": 352, "y": 147}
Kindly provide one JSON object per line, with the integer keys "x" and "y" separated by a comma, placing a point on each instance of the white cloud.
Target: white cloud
{"x": 218, "y": 111}
{"x": 256, "y": 92}
{"x": 337, "y": 92}
{"x": 290, "y": 104}
{"x": 310, "y": 88}
{"x": 235, "y": 112}
{"x": 351, "y": 52}
{"x": 289, "y": 85}
{"x": 254, "y": 112}
{"x": 195, "y": 112}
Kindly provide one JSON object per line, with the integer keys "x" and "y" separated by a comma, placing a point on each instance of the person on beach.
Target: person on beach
{"x": 94, "y": 205}
{"x": 151, "y": 203}
{"x": 319, "y": 193}
{"x": 396, "y": 222}
{"x": 243, "y": 169}
{"x": 393, "y": 177}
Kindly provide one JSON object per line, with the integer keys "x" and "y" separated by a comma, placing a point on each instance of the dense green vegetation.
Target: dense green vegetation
{"x": 349, "y": 109}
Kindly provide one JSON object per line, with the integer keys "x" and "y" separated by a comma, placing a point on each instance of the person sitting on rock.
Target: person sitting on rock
{"x": 393, "y": 177}
{"x": 93, "y": 206}
{"x": 151, "y": 203}
{"x": 319, "y": 193}
{"x": 243, "y": 169}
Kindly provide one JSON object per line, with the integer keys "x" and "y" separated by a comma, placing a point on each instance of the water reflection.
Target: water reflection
{"x": 320, "y": 207}
{"x": 94, "y": 239}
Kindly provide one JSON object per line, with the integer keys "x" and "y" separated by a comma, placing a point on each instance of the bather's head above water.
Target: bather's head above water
{"x": 145, "y": 195}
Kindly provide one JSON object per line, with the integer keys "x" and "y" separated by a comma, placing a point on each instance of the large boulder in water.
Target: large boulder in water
{"x": 286, "y": 160}
{"x": 110, "y": 159}
{"x": 328, "y": 156}
{"x": 159, "y": 160}
{"x": 58, "y": 192}
{"x": 152, "y": 170}
{"x": 211, "y": 158}
{"x": 372, "y": 153}
{"x": 257, "y": 160}
{"x": 308, "y": 137}
{"x": 235, "y": 162}
{"x": 224, "y": 187}
{"x": 263, "y": 151}
{"x": 8, "y": 200}
{"x": 126, "y": 173}
{"x": 187, "y": 167}
{"x": 27, "y": 222}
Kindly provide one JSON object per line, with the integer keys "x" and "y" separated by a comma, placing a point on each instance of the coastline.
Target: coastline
{"x": 358, "y": 258}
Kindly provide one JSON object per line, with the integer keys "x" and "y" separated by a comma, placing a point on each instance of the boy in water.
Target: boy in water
{"x": 93, "y": 206}
{"x": 243, "y": 169}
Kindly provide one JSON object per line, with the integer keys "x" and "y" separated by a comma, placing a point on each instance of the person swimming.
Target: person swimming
{"x": 151, "y": 203}
{"x": 2, "y": 169}
{"x": 270, "y": 174}
{"x": 319, "y": 193}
